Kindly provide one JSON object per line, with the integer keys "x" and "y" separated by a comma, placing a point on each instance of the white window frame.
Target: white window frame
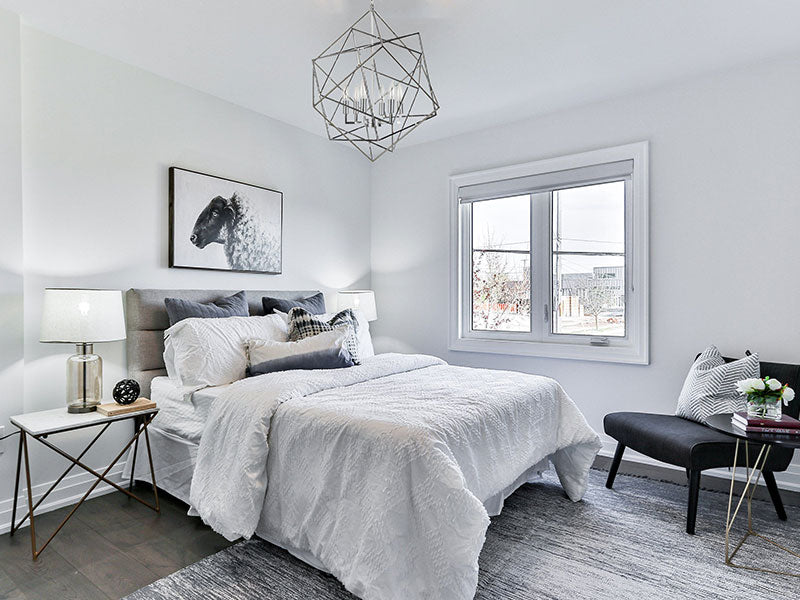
{"x": 633, "y": 348}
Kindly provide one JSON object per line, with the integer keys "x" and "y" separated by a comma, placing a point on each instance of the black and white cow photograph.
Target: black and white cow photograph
{"x": 218, "y": 223}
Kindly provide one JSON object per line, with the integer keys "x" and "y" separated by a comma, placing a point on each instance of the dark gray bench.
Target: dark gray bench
{"x": 695, "y": 447}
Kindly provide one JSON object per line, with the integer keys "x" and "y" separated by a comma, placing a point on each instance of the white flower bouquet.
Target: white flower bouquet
{"x": 764, "y": 396}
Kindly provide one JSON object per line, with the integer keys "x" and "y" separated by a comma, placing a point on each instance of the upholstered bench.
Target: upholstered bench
{"x": 694, "y": 446}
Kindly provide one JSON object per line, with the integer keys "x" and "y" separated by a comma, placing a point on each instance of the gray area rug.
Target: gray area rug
{"x": 627, "y": 544}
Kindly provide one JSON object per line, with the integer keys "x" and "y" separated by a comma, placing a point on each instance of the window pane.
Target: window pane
{"x": 501, "y": 271}
{"x": 589, "y": 295}
{"x": 501, "y": 288}
{"x": 590, "y": 218}
{"x": 502, "y": 224}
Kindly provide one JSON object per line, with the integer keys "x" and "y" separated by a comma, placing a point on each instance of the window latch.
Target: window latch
{"x": 546, "y": 313}
{"x": 599, "y": 341}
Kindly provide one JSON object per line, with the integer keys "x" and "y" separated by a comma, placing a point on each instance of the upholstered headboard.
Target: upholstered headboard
{"x": 147, "y": 319}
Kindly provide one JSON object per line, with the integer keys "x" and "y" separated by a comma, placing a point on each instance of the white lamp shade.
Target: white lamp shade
{"x": 364, "y": 300}
{"x": 82, "y": 316}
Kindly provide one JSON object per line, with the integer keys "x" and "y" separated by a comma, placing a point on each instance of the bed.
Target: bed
{"x": 384, "y": 474}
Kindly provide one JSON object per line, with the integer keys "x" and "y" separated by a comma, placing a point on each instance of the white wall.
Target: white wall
{"x": 725, "y": 209}
{"x": 11, "y": 342}
{"x": 98, "y": 138}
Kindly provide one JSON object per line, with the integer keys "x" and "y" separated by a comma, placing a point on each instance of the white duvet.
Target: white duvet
{"x": 383, "y": 483}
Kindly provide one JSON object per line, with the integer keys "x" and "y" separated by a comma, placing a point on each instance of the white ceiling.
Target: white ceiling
{"x": 491, "y": 61}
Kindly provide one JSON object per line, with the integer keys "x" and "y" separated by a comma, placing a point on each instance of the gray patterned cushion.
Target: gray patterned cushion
{"x": 710, "y": 389}
{"x": 303, "y": 324}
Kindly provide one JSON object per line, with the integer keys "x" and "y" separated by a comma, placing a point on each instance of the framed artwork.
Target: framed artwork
{"x": 222, "y": 224}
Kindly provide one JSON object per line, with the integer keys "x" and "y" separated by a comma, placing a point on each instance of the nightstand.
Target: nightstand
{"x": 43, "y": 424}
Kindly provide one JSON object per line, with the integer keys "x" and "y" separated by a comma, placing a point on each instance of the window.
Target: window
{"x": 550, "y": 258}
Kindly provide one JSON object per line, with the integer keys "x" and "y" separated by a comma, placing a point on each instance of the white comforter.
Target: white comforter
{"x": 384, "y": 483}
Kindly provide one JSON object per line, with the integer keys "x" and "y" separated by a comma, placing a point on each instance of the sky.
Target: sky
{"x": 592, "y": 218}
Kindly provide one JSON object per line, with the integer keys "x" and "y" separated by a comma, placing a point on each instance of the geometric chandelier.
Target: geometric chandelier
{"x": 372, "y": 86}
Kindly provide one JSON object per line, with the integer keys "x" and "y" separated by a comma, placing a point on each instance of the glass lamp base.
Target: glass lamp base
{"x": 81, "y": 408}
{"x": 84, "y": 380}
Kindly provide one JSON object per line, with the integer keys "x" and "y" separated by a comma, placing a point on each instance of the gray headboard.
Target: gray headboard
{"x": 146, "y": 319}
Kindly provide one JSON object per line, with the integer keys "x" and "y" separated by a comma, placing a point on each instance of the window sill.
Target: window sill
{"x": 611, "y": 354}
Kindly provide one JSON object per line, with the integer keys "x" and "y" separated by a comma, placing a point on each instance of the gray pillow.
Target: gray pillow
{"x": 314, "y": 304}
{"x": 232, "y": 306}
{"x": 332, "y": 358}
{"x": 710, "y": 389}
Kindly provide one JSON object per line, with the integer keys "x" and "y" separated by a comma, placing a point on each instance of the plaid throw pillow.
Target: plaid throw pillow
{"x": 303, "y": 324}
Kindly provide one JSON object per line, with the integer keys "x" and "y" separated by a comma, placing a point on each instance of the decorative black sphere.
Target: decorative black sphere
{"x": 126, "y": 391}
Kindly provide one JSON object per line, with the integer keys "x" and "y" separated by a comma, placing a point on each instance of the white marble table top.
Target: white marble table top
{"x": 58, "y": 419}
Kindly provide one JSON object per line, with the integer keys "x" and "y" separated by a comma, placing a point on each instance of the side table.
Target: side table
{"x": 40, "y": 425}
{"x": 763, "y": 444}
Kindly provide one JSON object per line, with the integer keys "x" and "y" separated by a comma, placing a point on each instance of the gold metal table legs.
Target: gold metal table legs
{"x": 751, "y": 482}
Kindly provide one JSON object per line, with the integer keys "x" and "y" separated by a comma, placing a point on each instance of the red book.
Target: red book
{"x": 785, "y": 422}
{"x": 778, "y": 430}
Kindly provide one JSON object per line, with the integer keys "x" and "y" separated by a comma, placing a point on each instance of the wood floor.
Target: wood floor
{"x": 111, "y": 547}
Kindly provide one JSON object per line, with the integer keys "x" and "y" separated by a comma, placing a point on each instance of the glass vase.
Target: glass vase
{"x": 764, "y": 409}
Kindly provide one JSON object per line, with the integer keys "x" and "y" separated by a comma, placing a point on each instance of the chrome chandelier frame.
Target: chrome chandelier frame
{"x": 372, "y": 86}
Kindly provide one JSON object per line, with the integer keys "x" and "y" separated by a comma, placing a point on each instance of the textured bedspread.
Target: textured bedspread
{"x": 383, "y": 483}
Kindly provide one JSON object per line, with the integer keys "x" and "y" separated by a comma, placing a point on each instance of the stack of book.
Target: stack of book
{"x": 786, "y": 425}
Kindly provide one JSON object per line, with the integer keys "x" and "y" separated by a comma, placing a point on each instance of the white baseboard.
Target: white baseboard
{"x": 788, "y": 480}
{"x": 68, "y": 492}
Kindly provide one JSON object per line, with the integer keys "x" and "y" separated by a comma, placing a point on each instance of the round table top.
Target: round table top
{"x": 722, "y": 422}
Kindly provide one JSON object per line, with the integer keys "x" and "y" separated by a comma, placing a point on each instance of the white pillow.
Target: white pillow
{"x": 710, "y": 386}
{"x": 265, "y": 350}
{"x": 363, "y": 339}
{"x": 207, "y": 352}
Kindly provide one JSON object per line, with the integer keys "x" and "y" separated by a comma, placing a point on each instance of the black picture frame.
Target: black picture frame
{"x": 177, "y": 220}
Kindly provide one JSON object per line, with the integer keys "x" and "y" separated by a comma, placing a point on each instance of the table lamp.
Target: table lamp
{"x": 84, "y": 318}
{"x": 364, "y": 300}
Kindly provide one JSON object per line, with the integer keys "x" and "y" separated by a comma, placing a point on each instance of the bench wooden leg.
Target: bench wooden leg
{"x": 772, "y": 486}
{"x": 612, "y": 472}
{"x": 694, "y": 493}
